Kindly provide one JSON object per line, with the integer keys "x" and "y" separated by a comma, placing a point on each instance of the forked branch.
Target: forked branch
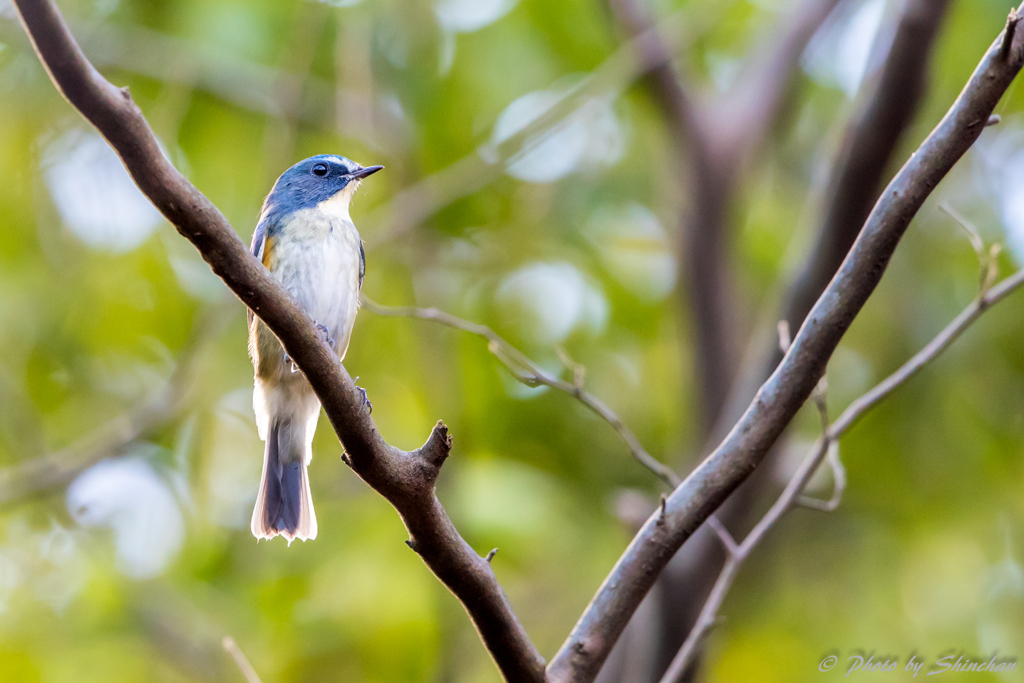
{"x": 826, "y": 446}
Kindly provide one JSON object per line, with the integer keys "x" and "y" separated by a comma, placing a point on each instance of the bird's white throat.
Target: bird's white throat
{"x": 337, "y": 206}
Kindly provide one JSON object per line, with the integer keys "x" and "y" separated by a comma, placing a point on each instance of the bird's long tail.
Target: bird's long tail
{"x": 284, "y": 505}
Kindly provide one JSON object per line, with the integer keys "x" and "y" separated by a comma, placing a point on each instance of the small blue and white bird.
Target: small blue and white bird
{"x": 306, "y": 239}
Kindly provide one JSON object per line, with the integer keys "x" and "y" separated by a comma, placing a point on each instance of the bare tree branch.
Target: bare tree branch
{"x": 940, "y": 343}
{"x": 531, "y": 374}
{"x": 867, "y": 150}
{"x": 728, "y": 542}
{"x": 231, "y": 647}
{"x": 827, "y": 445}
{"x": 781, "y": 396}
{"x": 736, "y": 555}
{"x": 838, "y": 484}
{"x": 61, "y": 467}
{"x": 405, "y": 479}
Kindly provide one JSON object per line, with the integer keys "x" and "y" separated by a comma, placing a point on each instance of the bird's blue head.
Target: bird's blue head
{"x": 313, "y": 181}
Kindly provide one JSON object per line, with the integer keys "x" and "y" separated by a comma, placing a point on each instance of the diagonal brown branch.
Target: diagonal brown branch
{"x": 405, "y": 479}
{"x": 855, "y": 178}
{"x": 530, "y": 373}
{"x": 791, "y": 384}
{"x": 826, "y": 445}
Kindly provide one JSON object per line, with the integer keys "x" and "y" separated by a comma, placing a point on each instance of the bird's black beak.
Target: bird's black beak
{"x": 363, "y": 172}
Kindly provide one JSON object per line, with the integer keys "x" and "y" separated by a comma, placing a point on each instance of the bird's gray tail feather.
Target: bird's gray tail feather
{"x": 284, "y": 505}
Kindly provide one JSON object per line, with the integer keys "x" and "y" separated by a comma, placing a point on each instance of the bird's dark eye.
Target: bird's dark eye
{"x": 320, "y": 170}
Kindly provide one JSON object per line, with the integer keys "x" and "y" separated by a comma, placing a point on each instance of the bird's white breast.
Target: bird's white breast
{"x": 316, "y": 257}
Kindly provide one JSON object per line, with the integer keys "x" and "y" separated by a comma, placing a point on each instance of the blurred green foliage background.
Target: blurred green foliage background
{"x": 139, "y": 570}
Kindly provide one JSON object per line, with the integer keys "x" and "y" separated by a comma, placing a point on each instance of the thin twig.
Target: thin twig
{"x": 820, "y": 398}
{"x": 936, "y": 346}
{"x": 231, "y": 647}
{"x": 972, "y": 232}
{"x": 987, "y": 257}
{"x": 723, "y": 535}
{"x": 827, "y": 444}
{"x": 531, "y": 374}
{"x": 838, "y": 483}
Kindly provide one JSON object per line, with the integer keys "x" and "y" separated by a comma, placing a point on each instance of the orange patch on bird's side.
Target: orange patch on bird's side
{"x": 267, "y": 243}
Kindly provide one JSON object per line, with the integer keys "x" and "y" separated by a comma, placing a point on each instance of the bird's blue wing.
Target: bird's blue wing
{"x": 259, "y": 242}
{"x": 362, "y": 264}
{"x": 258, "y": 239}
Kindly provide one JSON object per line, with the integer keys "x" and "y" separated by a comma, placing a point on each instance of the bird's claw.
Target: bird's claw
{"x": 366, "y": 399}
{"x": 325, "y": 334}
{"x": 288, "y": 361}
